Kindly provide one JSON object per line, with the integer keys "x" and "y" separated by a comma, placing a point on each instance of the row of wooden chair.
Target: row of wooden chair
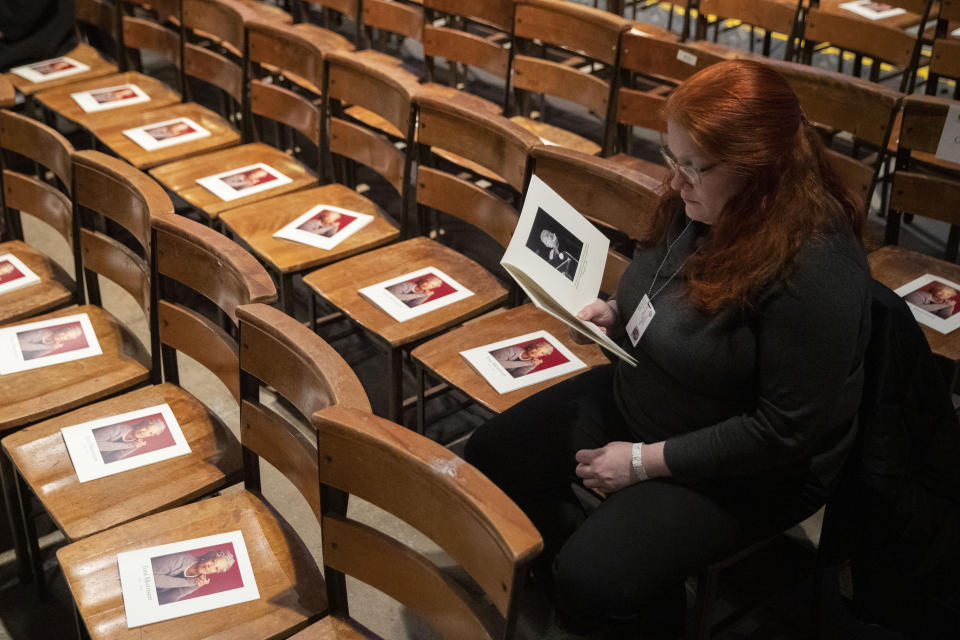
{"x": 203, "y": 296}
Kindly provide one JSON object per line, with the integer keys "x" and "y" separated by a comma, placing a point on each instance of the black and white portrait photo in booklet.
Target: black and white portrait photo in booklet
{"x": 113, "y": 444}
{"x": 181, "y": 578}
{"x": 47, "y": 342}
{"x": 557, "y": 257}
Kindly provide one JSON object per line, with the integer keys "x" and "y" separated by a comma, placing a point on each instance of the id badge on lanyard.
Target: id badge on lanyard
{"x": 640, "y": 320}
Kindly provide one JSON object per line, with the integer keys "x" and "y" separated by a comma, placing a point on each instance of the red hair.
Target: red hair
{"x": 745, "y": 115}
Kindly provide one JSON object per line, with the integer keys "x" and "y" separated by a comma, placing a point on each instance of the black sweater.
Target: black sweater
{"x": 773, "y": 392}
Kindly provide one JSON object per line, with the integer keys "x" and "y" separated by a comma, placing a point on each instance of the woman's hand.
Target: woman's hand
{"x": 600, "y": 313}
{"x": 608, "y": 468}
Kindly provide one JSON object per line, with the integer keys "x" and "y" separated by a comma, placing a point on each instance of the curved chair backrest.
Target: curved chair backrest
{"x": 468, "y": 47}
{"x": 769, "y": 15}
{"x": 113, "y": 190}
{"x": 142, "y": 34}
{"x": 581, "y": 30}
{"x": 842, "y": 103}
{"x": 210, "y": 264}
{"x": 279, "y": 352}
{"x": 26, "y": 193}
{"x": 224, "y": 24}
{"x": 666, "y": 62}
{"x": 278, "y": 45}
{"x": 100, "y": 17}
{"x": 430, "y": 488}
{"x": 917, "y": 190}
{"x": 493, "y": 142}
{"x": 350, "y": 81}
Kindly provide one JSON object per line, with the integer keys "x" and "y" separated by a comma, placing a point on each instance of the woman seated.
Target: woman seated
{"x": 738, "y": 417}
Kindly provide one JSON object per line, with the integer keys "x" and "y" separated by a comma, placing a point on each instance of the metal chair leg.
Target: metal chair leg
{"x": 9, "y": 484}
{"x": 421, "y": 400}
{"x": 395, "y": 385}
{"x": 27, "y": 521}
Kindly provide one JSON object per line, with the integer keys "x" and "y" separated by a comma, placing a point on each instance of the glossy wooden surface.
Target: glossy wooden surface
{"x": 771, "y": 15}
{"x": 432, "y": 489}
{"x": 8, "y": 95}
{"x": 333, "y": 627}
{"x": 571, "y": 25}
{"x": 441, "y": 355}
{"x": 910, "y": 18}
{"x": 80, "y": 509}
{"x": 338, "y": 284}
{"x": 59, "y": 100}
{"x": 290, "y": 585}
{"x": 54, "y": 289}
{"x": 255, "y": 225}
{"x": 896, "y": 267}
{"x": 181, "y": 177}
{"x": 550, "y": 134}
{"x": 82, "y": 53}
{"x": 36, "y": 394}
{"x": 849, "y": 31}
{"x": 111, "y": 134}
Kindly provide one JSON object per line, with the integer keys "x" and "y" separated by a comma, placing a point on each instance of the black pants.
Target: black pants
{"x": 622, "y": 560}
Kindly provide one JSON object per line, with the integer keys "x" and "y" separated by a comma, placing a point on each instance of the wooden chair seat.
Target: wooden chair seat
{"x": 29, "y": 396}
{"x": 335, "y": 628}
{"x": 290, "y": 584}
{"x": 441, "y": 355}
{"x": 81, "y": 509}
{"x": 110, "y": 133}
{"x": 255, "y": 225}
{"x": 181, "y": 177}
{"x": 895, "y": 267}
{"x": 55, "y": 288}
{"x": 59, "y": 101}
{"x": 652, "y": 169}
{"x": 902, "y": 21}
{"x": 339, "y": 283}
{"x": 550, "y": 134}
{"x": 82, "y": 53}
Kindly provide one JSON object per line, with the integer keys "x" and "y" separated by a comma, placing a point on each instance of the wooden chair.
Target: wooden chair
{"x": 202, "y": 68}
{"x": 198, "y": 258}
{"x": 441, "y": 496}
{"x": 106, "y": 192}
{"x": 772, "y": 16}
{"x": 473, "y": 34}
{"x": 349, "y": 82}
{"x": 100, "y": 15}
{"x": 856, "y": 117}
{"x": 650, "y": 67}
{"x": 945, "y": 58}
{"x": 590, "y": 39}
{"x": 918, "y": 187}
{"x": 612, "y": 196}
{"x": 275, "y": 352}
{"x": 328, "y": 10}
{"x": 881, "y": 42}
{"x": 267, "y": 101}
{"x": 23, "y": 193}
{"x": 491, "y": 141}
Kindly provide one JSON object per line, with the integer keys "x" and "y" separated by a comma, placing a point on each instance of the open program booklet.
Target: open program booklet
{"x": 557, "y": 257}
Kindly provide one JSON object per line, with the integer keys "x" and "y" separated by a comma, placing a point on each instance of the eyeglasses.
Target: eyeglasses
{"x": 691, "y": 174}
